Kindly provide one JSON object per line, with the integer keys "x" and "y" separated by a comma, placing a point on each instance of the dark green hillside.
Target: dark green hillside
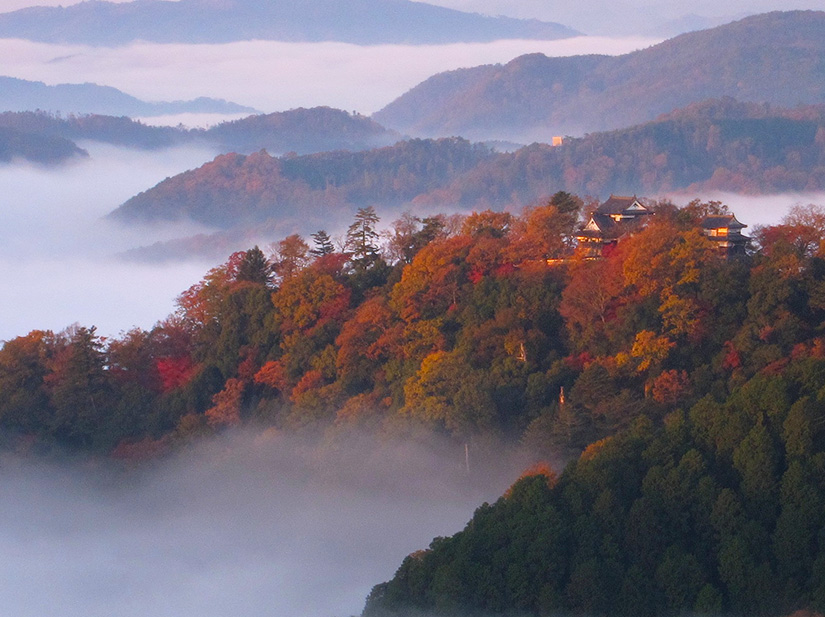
{"x": 776, "y": 57}
{"x": 722, "y": 510}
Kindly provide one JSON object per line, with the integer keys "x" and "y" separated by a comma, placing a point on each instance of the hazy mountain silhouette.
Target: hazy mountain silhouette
{"x": 220, "y": 21}
{"x": 299, "y": 131}
{"x": 776, "y": 57}
{"x": 23, "y": 95}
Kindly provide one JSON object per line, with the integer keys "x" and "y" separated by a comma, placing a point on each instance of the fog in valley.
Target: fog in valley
{"x": 754, "y": 210}
{"x": 57, "y": 253}
{"x": 243, "y": 525}
{"x": 273, "y": 76}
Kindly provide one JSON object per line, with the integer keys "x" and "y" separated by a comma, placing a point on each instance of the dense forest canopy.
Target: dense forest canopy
{"x": 452, "y": 323}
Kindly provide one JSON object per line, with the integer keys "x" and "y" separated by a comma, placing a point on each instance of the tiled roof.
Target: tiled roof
{"x": 717, "y": 222}
{"x": 617, "y": 204}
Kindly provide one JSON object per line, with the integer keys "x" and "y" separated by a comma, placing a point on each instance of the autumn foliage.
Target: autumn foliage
{"x": 490, "y": 323}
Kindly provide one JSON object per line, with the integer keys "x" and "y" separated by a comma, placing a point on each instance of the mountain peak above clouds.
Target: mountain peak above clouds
{"x": 363, "y": 22}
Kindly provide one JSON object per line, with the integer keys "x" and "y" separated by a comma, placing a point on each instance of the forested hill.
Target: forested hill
{"x": 45, "y": 150}
{"x": 236, "y": 188}
{"x": 719, "y": 512}
{"x": 453, "y": 325}
{"x": 298, "y": 130}
{"x": 301, "y": 130}
{"x": 776, "y": 57}
{"x": 721, "y": 145}
{"x": 107, "y": 129}
{"x": 362, "y": 22}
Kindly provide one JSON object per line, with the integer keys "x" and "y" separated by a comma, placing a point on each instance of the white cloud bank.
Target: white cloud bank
{"x": 246, "y": 526}
{"x": 56, "y": 253}
{"x": 273, "y": 76}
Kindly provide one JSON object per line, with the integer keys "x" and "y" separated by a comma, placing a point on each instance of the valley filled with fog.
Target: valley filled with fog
{"x": 243, "y": 525}
{"x": 276, "y": 76}
{"x": 58, "y": 261}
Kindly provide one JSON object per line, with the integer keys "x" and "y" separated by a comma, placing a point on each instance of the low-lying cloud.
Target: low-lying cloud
{"x": 246, "y": 525}
{"x": 753, "y": 210}
{"x": 57, "y": 263}
{"x": 275, "y": 76}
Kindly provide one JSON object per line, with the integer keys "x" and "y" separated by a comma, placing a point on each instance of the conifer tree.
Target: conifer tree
{"x": 362, "y": 239}
{"x": 323, "y": 244}
{"x": 254, "y": 267}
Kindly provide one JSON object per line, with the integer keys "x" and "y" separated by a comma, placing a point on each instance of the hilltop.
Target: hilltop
{"x": 301, "y": 130}
{"x": 777, "y": 58}
{"x": 235, "y": 189}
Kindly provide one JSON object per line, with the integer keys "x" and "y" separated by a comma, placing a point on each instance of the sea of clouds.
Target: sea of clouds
{"x": 275, "y": 76}
{"x": 58, "y": 261}
{"x": 247, "y": 525}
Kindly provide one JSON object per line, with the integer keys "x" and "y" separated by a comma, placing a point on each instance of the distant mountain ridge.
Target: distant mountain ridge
{"x": 221, "y": 21}
{"x": 23, "y": 95}
{"x": 300, "y": 131}
{"x": 775, "y": 57}
{"x": 716, "y": 145}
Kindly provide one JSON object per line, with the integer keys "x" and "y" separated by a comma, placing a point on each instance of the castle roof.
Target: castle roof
{"x": 718, "y": 222}
{"x": 620, "y": 205}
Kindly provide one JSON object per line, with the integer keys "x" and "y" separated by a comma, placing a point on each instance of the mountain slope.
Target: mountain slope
{"x": 221, "y": 21}
{"x": 23, "y": 95}
{"x": 721, "y": 145}
{"x": 776, "y": 57}
{"x": 236, "y": 189}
